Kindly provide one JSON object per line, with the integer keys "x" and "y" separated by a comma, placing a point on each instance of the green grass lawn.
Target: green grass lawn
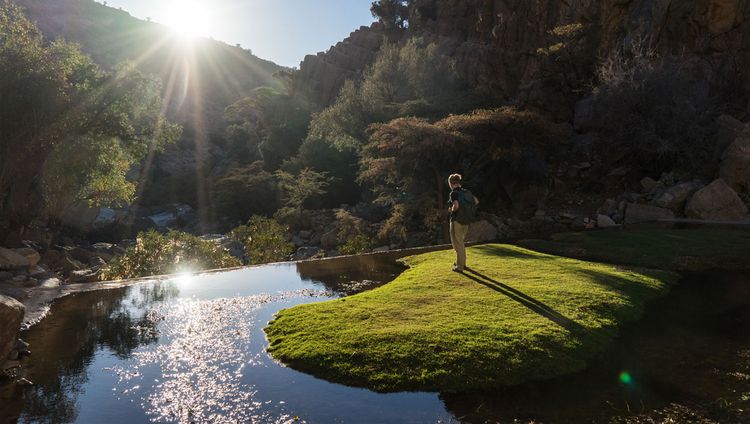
{"x": 679, "y": 250}
{"x": 521, "y": 315}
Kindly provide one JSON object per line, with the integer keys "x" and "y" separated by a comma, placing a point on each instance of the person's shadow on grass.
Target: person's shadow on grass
{"x": 527, "y": 301}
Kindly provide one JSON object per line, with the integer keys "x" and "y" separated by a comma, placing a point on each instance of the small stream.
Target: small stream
{"x": 191, "y": 349}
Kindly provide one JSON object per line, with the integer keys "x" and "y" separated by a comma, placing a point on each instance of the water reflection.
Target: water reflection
{"x": 81, "y": 326}
{"x": 192, "y": 350}
{"x": 689, "y": 357}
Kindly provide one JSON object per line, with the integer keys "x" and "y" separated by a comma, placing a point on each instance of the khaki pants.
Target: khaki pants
{"x": 458, "y": 234}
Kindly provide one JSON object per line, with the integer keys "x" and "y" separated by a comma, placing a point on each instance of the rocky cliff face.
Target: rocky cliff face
{"x": 496, "y": 42}
{"x": 321, "y": 76}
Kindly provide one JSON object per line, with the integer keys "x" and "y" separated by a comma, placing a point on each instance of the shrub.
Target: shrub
{"x": 264, "y": 240}
{"x": 394, "y": 229}
{"x": 245, "y": 191}
{"x": 360, "y": 243}
{"x": 352, "y": 230}
{"x": 658, "y": 112}
{"x": 175, "y": 251}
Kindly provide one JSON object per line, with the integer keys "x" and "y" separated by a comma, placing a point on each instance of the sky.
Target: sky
{"x": 283, "y": 31}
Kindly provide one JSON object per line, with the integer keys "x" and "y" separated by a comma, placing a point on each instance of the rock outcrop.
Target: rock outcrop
{"x": 716, "y": 201}
{"x": 497, "y": 43}
{"x": 11, "y": 316}
{"x": 321, "y": 76}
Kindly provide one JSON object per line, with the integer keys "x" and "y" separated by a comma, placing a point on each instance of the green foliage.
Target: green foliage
{"x": 352, "y": 231}
{"x": 298, "y": 188}
{"x": 519, "y": 316}
{"x": 360, "y": 243}
{"x": 415, "y": 78}
{"x": 320, "y": 155}
{"x": 245, "y": 190}
{"x": 264, "y": 240}
{"x": 52, "y": 95}
{"x": 394, "y": 160}
{"x": 394, "y": 229}
{"x": 158, "y": 254}
{"x": 278, "y": 120}
{"x": 391, "y": 13}
{"x": 84, "y": 170}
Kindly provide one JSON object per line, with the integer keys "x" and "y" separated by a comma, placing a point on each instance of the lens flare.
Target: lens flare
{"x": 625, "y": 378}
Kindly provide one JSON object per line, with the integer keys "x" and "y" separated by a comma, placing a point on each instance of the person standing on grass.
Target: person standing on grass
{"x": 462, "y": 209}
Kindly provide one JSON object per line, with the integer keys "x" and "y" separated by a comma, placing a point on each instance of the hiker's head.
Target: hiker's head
{"x": 454, "y": 180}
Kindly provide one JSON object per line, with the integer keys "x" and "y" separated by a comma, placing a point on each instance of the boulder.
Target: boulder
{"x": 32, "y": 255}
{"x": 716, "y": 201}
{"x": 9, "y": 259}
{"x": 15, "y": 292}
{"x": 330, "y": 240}
{"x": 481, "y": 231}
{"x": 729, "y": 129}
{"x": 636, "y": 213}
{"x": 674, "y": 198}
{"x": 80, "y": 216}
{"x": 604, "y": 221}
{"x": 11, "y": 316}
{"x": 609, "y": 207}
{"x": 735, "y": 164}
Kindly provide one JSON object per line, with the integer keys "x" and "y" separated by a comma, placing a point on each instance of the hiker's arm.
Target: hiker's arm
{"x": 455, "y": 206}
{"x": 476, "y": 200}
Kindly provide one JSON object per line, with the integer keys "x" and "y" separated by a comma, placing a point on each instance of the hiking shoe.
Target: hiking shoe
{"x": 457, "y": 269}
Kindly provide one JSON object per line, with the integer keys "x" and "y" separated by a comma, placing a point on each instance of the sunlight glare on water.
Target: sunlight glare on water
{"x": 200, "y": 361}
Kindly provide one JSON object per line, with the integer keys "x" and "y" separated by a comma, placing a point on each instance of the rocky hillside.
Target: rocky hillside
{"x": 499, "y": 44}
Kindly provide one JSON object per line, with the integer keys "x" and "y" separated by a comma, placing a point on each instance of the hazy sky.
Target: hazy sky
{"x": 283, "y": 31}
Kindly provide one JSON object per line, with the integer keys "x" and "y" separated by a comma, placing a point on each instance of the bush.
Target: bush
{"x": 175, "y": 251}
{"x": 657, "y": 112}
{"x": 360, "y": 243}
{"x": 352, "y": 230}
{"x": 264, "y": 240}
{"x": 245, "y": 191}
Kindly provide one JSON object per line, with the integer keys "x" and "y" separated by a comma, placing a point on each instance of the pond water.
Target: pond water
{"x": 192, "y": 350}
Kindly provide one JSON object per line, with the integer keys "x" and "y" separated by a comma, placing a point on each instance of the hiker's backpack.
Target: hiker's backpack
{"x": 467, "y": 207}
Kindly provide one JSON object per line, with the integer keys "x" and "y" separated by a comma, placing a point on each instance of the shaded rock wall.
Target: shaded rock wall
{"x": 495, "y": 42}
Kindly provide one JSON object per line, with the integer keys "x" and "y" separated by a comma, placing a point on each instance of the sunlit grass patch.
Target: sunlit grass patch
{"x": 517, "y": 316}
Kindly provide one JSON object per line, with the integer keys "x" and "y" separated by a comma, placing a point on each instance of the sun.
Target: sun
{"x": 188, "y": 19}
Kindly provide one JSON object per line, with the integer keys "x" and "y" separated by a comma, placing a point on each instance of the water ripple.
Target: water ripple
{"x": 196, "y": 369}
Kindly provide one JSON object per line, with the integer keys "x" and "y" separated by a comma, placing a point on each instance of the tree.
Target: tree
{"x": 392, "y": 13}
{"x": 244, "y": 191}
{"x": 298, "y": 188}
{"x": 280, "y": 122}
{"x": 264, "y": 240}
{"x": 52, "y": 94}
{"x": 408, "y": 160}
